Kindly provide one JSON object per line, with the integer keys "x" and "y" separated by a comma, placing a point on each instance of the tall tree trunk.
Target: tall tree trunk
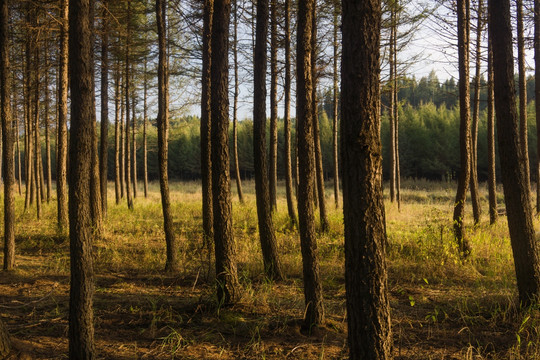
{"x": 464, "y": 127}
{"x": 515, "y": 184}
{"x": 62, "y": 145}
{"x": 95, "y": 185}
{"x": 315, "y": 118}
{"x": 396, "y": 125}
{"x": 392, "y": 75}
{"x": 127, "y": 109}
{"x": 368, "y": 308}
{"x": 145, "y": 124}
{"x": 492, "y": 180}
{"x": 37, "y": 142}
{"x": 47, "y": 127}
{"x": 287, "y": 116}
{"x": 7, "y": 149}
{"x": 235, "y": 105}
{"x": 163, "y": 129}
{"x": 122, "y": 137}
{"x": 104, "y": 144}
{"x": 314, "y": 313}
{"x": 272, "y": 173}
{"x": 226, "y": 271}
{"x": 28, "y": 112}
{"x": 117, "y": 133}
{"x": 134, "y": 141}
{"x": 267, "y": 235}
{"x": 336, "y": 100}
{"x": 475, "y": 196}
{"x": 537, "y": 95}
{"x": 206, "y": 160}
{"x": 81, "y": 329}
{"x": 16, "y": 135}
{"x": 522, "y": 93}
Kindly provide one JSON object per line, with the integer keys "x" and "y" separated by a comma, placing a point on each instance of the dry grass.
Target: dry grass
{"x": 442, "y": 307}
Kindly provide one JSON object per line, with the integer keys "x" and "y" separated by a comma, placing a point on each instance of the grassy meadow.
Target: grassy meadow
{"x": 442, "y": 307}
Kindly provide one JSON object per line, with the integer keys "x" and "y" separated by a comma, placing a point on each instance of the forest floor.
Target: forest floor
{"x": 442, "y": 307}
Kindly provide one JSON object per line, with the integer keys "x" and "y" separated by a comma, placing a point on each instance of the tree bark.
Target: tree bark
{"x": 7, "y": 147}
{"x": 287, "y": 116}
{"x": 134, "y": 141}
{"x": 62, "y": 146}
{"x": 117, "y": 134}
{"x": 515, "y": 184}
{"x": 37, "y": 144}
{"x": 127, "y": 99}
{"x": 104, "y": 144}
{"x": 523, "y": 137}
{"x": 81, "y": 329}
{"x": 537, "y": 95}
{"x": 272, "y": 173}
{"x": 172, "y": 264}
{"x": 47, "y": 127}
{"x": 315, "y": 118}
{"x": 226, "y": 272}
{"x": 28, "y": 113}
{"x": 492, "y": 180}
{"x": 235, "y": 105}
{"x": 368, "y": 308}
{"x": 464, "y": 126}
{"x": 314, "y": 313}
{"x": 122, "y": 136}
{"x": 267, "y": 235}
{"x": 206, "y": 160}
{"x": 335, "y": 108}
{"x": 145, "y": 125}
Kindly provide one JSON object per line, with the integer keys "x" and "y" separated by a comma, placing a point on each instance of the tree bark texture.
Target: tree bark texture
{"x": 62, "y": 146}
{"x": 206, "y": 160}
{"x": 264, "y": 212}
{"x": 464, "y": 126}
{"x": 272, "y": 160}
{"x": 104, "y": 144}
{"x": 47, "y": 127}
{"x": 515, "y": 184}
{"x": 225, "y": 252}
{"x": 336, "y": 101}
{"x": 171, "y": 264}
{"x": 492, "y": 180}
{"x": 127, "y": 161}
{"x": 117, "y": 134}
{"x": 134, "y": 141}
{"x": 523, "y": 137}
{"x": 235, "y": 106}
{"x": 314, "y": 313}
{"x": 145, "y": 125}
{"x": 368, "y": 308}
{"x": 537, "y": 95}
{"x": 8, "y": 168}
{"x": 81, "y": 329}
{"x": 287, "y": 116}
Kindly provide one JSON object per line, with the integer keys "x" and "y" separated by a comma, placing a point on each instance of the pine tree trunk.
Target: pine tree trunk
{"x": 37, "y": 144}
{"x": 117, "y": 133}
{"x": 315, "y": 118}
{"x": 475, "y": 196}
{"x": 368, "y": 307}
{"x": 28, "y": 114}
{"x": 464, "y": 127}
{"x": 134, "y": 141}
{"x": 492, "y": 180}
{"x": 172, "y": 264}
{"x": 47, "y": 128}
{"x": 523, "y": 137}
{"x": 104, "y": 143}
{"x": 335, "y": 108}
{"x": 145, "y": 122}
{"x": 127, "y": 99}
{"x": 206, "y": 161}
{"x": 287, "y": 121}
{"x": 122, "y": 137}
{"x": 515, "y": 184}
{"x": 16, "y": 134}
{"x": 95, "y": 188}
{"x": 314, "y": 313}
{"x": 392, "y": 75}
{"x": 537, "y": 95}
{"x": 81, "y": 329}
{"x": 267, "y": 235}
{"x": 62, "y": 145}
{"x": 226, "y": 272}
{"x": 272, "y": 173}
{"x": 7, "y": 154}
{"x": 235, "y": 105}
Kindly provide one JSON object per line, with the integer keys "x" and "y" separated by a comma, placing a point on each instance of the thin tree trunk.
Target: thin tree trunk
{"x": 396, "y": 125}
{"x": 7, "y": 152}
{"x": 392, "y": 75}
{"x": 27, "y": 114}
{"x": 226, "y": 271}
{"x": 523, "y": 137}
{"x": 368, "y": 307}
{"x": 62, "y": 145}
{"x": 287, "y": 121}
{"x": 47, "y": 128}
{"x": 117, "y": 133}
{"x": 515, "y": 182}
{"x": 81, "y": 329}
{"x": 235, "y": 105}
{"x": 95, "y": 185}
{"x": 267, "y": 235}
{"x": 16, "y": 134}
{"x": 37, "y": 144}
{"x": 127, "y": 100}
{"x": 206, "y": 160}
{"x": 314, "y": 312}
{"x": 464, "y": 128}
{"x": 104, "y": 143}
{"x": 335, "y": 108}
{"x": 134, "y": 141}
{"x": 272, "y": 173}
{"x": 475, "y": 196}
{"x": 492, "y": 181}
{"x": 145, "y": 122}
{"x": 122, "y": 138}
{"x": 315, "y": 118}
